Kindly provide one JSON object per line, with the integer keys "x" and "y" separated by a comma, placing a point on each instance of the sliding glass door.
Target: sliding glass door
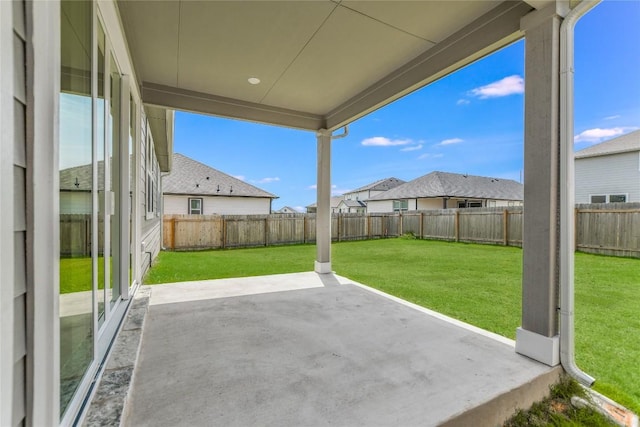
{"x": 96, "y": 140}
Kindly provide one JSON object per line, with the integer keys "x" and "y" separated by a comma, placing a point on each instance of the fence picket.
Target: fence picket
{"x": 610, "y": 229}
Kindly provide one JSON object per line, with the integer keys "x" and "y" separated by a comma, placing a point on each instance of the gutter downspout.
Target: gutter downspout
{"x": 567, "y": 196}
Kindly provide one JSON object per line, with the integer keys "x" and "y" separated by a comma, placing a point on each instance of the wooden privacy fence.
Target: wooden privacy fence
{"x": 611, "y": 229}
{"x": 608, "y": 229}
{"x": 75, "y": 235}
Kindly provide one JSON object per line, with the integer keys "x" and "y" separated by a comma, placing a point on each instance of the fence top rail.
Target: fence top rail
{"x": 608, "y": 206}
{"x": 605, "y": 211}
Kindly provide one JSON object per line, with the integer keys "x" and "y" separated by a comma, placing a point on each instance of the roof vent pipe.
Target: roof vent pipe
{"x": 567, "y": 197}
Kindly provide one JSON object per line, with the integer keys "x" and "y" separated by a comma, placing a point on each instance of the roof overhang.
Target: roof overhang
{"x": 322, "y": 64}
{"x": 161, "y": 126}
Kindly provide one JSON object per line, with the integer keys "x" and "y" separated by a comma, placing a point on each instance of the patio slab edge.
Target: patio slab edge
{"x": 108, "y": 403}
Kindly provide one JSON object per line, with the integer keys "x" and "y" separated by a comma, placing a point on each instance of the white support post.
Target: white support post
{"x": 43, "y": 229}
{"x": 538, "y": 337}
{"x": 323, "y": 213}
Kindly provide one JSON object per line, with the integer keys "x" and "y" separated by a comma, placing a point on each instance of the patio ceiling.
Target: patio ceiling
{"x": 322, "y": 64}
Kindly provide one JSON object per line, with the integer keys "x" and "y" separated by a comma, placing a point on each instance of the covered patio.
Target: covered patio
{"x": 316, "y": 348}
{"x": 309, "y": 349}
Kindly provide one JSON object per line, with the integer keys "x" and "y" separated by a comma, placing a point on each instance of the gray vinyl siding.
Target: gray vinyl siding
{"x": 609, "y": 174}
{"x": 20, "y": 212}
{"x": 150, "y": 237}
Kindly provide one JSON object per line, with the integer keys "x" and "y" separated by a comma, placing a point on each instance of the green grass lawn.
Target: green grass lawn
{"x": 479, "y": 284}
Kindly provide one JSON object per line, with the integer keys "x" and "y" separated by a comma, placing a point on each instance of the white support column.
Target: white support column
{"x": 538, "y": 336}
{"x": 323, "y": 213}
{"x": 43, "y": 83}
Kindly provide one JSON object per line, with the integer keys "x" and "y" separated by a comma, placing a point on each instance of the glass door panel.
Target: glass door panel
{"x": 102, "y": 190}
{"x": 132, "y": 181}
{"x": 113, "y": 177}
{"x": 76, "y": 198}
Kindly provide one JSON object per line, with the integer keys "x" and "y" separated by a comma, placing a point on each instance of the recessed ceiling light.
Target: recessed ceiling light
{"x": 254, "y": 80}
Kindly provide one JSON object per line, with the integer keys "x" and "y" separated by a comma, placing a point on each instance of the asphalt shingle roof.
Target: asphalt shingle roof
{"x": 622, "y": 144}
{"x": 380, "y": 185}
{"x": 354, "y": 203}
{"x": 445, "y": 184}
{"x": 335, "y": 201}
{"x": 189, "y": 176}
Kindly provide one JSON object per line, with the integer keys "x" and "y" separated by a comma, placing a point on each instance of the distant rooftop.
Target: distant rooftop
{"x": 380, "y": 185}
{"x": 445, "y": 184}
{"x": 622, "y": 144}
{"x": 189, "y": 176}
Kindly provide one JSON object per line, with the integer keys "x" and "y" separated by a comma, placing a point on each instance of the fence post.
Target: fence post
{"x": 266, "y": 231}
{"x": 339, "y": 221}
{"x": 304, "y": 228}
{"x": 505, "y": 227}
{"x": 421, "y": 224}
{"x": 224, "y": 232}
{"x": 400, "y": 224}
{"x": 456, "y": 225}
{"x": 173, "y": 233}
{"x": 575, "y": 229}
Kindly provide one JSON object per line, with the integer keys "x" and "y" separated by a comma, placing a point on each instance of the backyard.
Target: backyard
{"x": 478, "y": 284}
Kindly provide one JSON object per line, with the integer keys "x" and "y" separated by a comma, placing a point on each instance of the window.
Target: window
{"x": 195, "y": 206}
{"x": 608, "y": 198}
{"x": 152, "y": 178}
{"x": 400, "y": 205}
{"x": 469, "y": 204}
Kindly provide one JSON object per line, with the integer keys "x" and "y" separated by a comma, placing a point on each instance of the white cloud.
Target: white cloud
{"x": 450, "y": 141}
{"x": 268, "y": 180}
{"x": 312, "y": 187}
{"x": 617, "y": 116}
{"x": 508, "y": 86}
{"x": 339, "y": 191}
{"x": 598, "y": 135}
{"x": 412, "y": 148}
{"x": 430, "y": 156}
{"x": 240, "y": 177}
{"x": 299, "y": 208}
{"x": 463, "y": 102}
{"x": 381, "y": 141}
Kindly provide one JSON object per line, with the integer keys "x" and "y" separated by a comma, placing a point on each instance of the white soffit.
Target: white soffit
{"x": 223, "y": 44}
{"x": 315, "y": 59}
{"x": 348, "y": 54}
{"x": 429, "y": 20}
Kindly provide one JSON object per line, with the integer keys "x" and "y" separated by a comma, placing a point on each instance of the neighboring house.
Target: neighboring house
{"x": 368, "y": 191}
{"x": 287, "y": 210}
{"x": 197, "y": 189}
{"x": 442, "y": 190}
{"x": 610, "y": 171}
{"x": 352, "y": 206}
{"x": 335, "y": 201}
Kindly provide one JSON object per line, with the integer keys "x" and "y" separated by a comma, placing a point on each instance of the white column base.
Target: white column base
{"x": 322, "y": 267}
{"x": 538, "y": 347}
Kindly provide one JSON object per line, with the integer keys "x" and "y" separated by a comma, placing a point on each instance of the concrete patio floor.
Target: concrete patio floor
{"x": 307, "y": 349}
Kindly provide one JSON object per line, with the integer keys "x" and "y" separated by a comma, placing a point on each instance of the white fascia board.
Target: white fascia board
{"x": 197, "y": 102}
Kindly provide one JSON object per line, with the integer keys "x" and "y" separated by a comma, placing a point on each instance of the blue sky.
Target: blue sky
{"x": 469, "y": 122}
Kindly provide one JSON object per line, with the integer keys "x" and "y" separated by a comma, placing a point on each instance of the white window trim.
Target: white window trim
{"x": 607, "y": 197}
{"x": 400, "y": 203}
{"x": 189, "y": 210}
